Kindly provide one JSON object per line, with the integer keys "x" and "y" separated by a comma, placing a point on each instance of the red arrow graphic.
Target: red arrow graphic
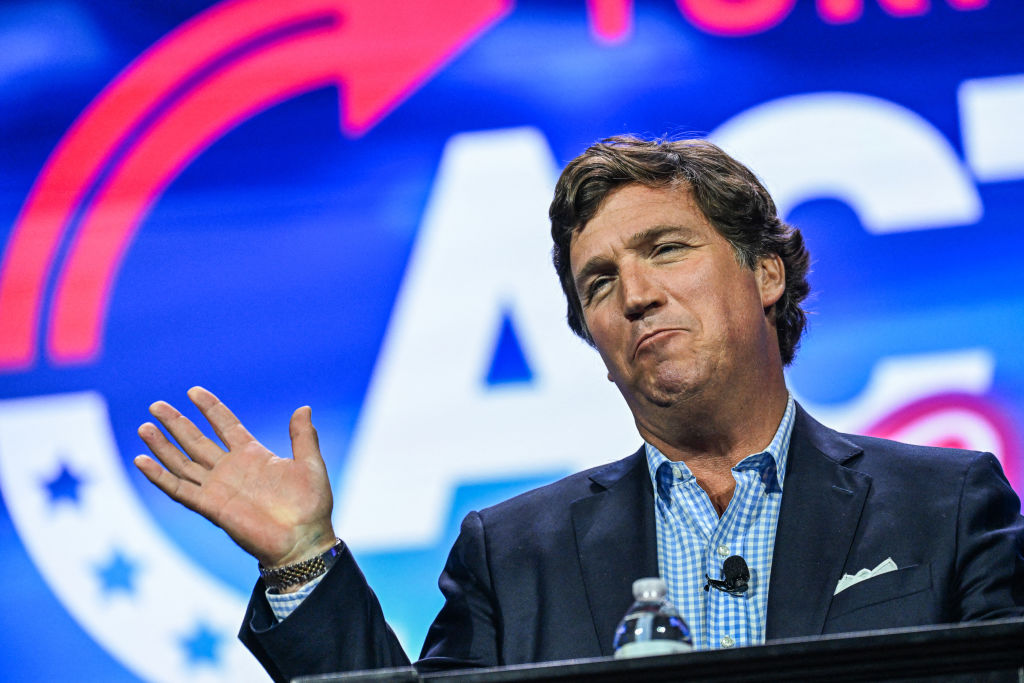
{"x": 208, "y": 76}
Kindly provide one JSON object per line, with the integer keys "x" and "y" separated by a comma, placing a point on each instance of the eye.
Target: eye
{"x": 596, "y": 286}
{"x": 667, "y": 248}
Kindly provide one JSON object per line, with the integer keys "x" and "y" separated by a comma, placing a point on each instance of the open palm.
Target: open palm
{"x": 277, "y": 509}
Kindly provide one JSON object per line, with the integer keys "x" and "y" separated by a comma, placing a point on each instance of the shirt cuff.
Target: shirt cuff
{"x": 283, "y": 604}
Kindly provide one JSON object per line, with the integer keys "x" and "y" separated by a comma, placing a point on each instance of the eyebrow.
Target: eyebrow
{"x": 600, "y": 264}
{"x": 654, "y": 232}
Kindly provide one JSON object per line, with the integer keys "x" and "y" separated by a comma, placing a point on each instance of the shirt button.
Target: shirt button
{"x": 678, "y": 471}
{"x": 727, "y": 641}
{"x": 723, "y": 550}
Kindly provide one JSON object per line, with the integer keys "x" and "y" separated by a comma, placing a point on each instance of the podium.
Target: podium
{"x": 988, "y": 651}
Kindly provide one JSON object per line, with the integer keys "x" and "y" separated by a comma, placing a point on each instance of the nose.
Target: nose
{"x": 641, "y": 293}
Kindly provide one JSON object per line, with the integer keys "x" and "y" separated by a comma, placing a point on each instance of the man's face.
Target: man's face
{"x": 671, "y": 310}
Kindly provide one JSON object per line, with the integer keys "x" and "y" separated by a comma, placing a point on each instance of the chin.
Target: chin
{"x": 672, "y": 388}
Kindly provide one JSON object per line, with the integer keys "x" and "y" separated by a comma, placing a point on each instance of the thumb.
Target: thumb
{"x": 305, "y": 444}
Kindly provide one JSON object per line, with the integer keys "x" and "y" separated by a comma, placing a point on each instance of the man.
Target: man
{"x": 678, "y": 271}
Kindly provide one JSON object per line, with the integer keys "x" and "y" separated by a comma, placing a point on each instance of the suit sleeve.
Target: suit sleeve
{"x": 990, "y": 543}
{"x": 465, "y": 633}
{"x": 338, "y": 627}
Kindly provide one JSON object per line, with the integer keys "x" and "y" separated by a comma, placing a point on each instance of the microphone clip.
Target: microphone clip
{"x": 737, "y": 577}
{"x": 737, "y": 587}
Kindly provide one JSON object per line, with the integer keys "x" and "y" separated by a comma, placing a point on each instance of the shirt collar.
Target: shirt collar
{"x": 770, "y": 463}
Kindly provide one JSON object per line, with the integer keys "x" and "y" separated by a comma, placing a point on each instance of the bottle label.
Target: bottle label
{"x": 651, "y": 648}
{"x": 644, "y": 633}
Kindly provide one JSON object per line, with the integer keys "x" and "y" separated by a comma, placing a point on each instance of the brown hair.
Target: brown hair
{"x": 726, "y": 191}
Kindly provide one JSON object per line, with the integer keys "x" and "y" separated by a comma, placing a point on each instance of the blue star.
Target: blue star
{"x": 202, "y": 645}
{"x": 64, "y": 486}
{"x": 118, "y": 574}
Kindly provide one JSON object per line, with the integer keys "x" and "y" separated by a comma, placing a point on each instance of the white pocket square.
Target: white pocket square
{"x": 848, "y": 580}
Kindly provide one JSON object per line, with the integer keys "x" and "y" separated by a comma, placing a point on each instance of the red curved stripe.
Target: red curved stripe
{"x": 420, "y": 37}
{"x": 86, "y": 149}
{"x": 377, "y": 75}
{"x": 210, "y": 111}
{"x": 891, "y": 425}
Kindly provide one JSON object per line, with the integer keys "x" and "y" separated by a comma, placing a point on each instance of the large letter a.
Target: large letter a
{"x": 431, "y": 419}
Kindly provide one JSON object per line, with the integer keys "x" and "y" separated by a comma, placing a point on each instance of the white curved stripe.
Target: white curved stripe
{"x": 893, "y": 167}
{"x": 67, "y": 540}
{"x": 896, "y": 381}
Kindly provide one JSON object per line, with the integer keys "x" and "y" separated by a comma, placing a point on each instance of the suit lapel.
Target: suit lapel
{"x": 822, "y": 502}
{"x": 615, "y": 541}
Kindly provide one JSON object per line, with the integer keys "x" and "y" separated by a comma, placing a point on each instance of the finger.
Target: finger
{"x": 192, "y": 440}
{"x": 305, "y": 442}
{"x": 172, "y": 458}
{"x": 227, "y": 427}
{"x": 184, "y": 492}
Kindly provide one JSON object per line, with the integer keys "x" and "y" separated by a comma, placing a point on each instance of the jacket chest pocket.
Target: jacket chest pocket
{"x": 883, "y": 598}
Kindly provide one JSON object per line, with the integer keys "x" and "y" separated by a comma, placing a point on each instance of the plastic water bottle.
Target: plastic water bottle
{"x": 652, "y": 626}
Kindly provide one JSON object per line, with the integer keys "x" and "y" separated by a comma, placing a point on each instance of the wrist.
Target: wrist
{"x": 307, "y": 541}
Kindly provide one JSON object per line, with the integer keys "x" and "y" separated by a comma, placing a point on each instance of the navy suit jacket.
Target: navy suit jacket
{"x": 547, "y": 575}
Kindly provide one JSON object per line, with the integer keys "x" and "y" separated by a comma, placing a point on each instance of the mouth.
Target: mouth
{"x": 651, "y": 337}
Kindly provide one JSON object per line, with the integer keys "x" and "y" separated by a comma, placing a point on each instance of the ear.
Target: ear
{"x": 771, "y": 279}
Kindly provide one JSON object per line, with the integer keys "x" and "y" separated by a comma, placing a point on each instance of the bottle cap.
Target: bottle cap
{"x": 649, "y": 589}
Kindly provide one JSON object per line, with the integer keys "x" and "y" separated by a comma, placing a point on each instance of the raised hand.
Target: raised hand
{"x": 277, "y": 509}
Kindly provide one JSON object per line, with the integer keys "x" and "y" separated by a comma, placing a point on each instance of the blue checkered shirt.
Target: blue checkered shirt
{"x": 694, "y": 541}
{"x": 283, "y": 604}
